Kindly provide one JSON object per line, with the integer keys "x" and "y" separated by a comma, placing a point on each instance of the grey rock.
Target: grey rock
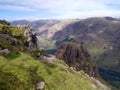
{"x": 10, "y": 39}
{"x": 40, "y": 85}
{"x": 4, "y": 51}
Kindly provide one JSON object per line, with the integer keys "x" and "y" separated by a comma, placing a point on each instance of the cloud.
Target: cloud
{"x": 59, "y": 4}
{"x": 64, "y": 8}
{"x": 16, "y": 8}
{"x": 77, "y": 14}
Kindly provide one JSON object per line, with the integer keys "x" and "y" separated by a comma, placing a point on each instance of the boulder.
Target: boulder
{"x": 40, "y": 85}
{"x": 4, "y": 51}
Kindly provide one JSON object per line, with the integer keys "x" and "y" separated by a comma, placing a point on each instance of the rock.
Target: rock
{"x": 77, "y": 57}
{"x": 10, "y": 39}
{"x": 4, "y": 51}
{"x": 40, "y": 85}
{"x": 49, "y": 59}
{"x": 31, "y": 42}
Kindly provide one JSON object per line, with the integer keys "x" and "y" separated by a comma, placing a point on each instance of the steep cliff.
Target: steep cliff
{"x": 77, "y": 56}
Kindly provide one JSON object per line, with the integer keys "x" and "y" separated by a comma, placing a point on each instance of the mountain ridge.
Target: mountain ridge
{"x": 100, "y": 35}
{"x": 25, "y": 67}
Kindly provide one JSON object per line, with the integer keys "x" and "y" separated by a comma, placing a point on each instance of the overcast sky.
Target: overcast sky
{"x": 57, "y": 9}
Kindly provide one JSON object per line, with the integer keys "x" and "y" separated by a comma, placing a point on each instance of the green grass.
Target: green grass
{"x": 13, "y": 30}
{"x": 22, "y": 72}
{"x": 4, "y": 44}
{"x": 46, "y": 44}
{"x": 15, "y": 35}
{"x": 11, "y": 56}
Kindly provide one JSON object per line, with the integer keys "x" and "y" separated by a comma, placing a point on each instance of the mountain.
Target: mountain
{"x": 100, "y": 35}
{"x": 23, "y": 66}
{"x": 38, "y": 25}
{"x": 45, "y": 29}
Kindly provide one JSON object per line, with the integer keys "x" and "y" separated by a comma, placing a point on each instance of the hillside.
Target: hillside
{"x": 25, "y": 67}
{"x": 100, "y": 35}
{"x": 45, "y": 29}
{"x": 22, "y": 72}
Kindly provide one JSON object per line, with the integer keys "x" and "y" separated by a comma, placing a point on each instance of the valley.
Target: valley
{"x": 100, "y": 35}
{"x": 24, "y": 66}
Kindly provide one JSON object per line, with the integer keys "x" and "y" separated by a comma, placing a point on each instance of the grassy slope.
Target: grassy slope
{"x": 46, "y": 44}
{"x": 22, "y": 72}
{"x": 12, "y": 29}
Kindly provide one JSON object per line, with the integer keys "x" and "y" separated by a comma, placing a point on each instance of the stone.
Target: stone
{"x": 4, "y": 51}
{"x": 40, "y": 85}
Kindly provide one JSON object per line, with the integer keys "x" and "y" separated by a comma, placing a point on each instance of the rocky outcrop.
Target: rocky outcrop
{"x": 31, "y": 39}
{"x": 9, "y": 39}
{"x": 8, "y": 44}
{"x": 32, "y": 42}
{"x": 22, "y": 37}
{"x": 77, "y": 57}
{"x": 4, "y": 22}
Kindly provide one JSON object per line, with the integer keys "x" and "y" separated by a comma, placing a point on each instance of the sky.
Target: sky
{"x": 57, "y": 9}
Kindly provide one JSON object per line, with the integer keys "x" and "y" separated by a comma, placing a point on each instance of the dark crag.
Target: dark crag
{"x": 77, "y": 57}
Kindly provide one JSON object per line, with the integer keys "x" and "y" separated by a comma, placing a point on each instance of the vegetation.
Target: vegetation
{"x": 11, "y": 30}
{"x": 4, "y": 22}
{"x": 12, "y": 38}
{"x": 22, "y": 72}
{"x": 46, "y": 44}
{"x": 111, "y": 77}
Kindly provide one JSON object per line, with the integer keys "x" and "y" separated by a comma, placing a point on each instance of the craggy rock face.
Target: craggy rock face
{"x": 77, "y": 57}
{"x": 31, "y": 42}
{"x": 9, "y": 39}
